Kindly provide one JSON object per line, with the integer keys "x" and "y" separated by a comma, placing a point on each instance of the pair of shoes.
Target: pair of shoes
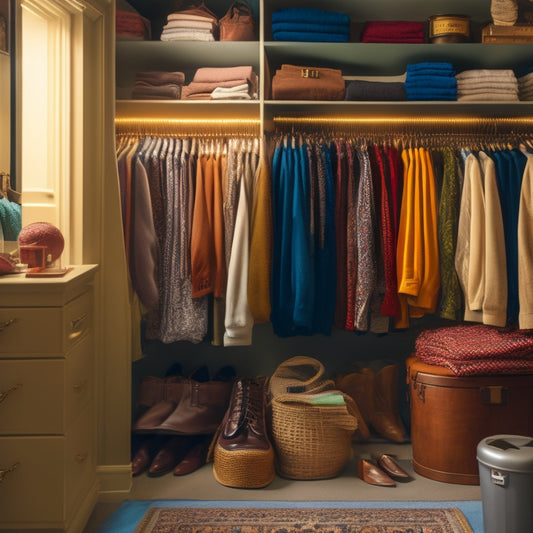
{"x": 243, "y": 455}
{"x": 195, "y": 457}
{"x": 159, "y": 454}
{"x": 191, "y": 406}
{"x": 376, "y": 396}
{"x": 383, "y": 473}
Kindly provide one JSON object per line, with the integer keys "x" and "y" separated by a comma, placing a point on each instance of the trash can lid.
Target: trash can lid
{"x": 508, "y": 452}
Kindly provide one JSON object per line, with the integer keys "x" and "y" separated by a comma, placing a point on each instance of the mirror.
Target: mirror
{"x": 10, "y": 200}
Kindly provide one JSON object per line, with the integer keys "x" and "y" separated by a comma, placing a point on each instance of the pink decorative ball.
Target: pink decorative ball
{"x": 43, "y": 234}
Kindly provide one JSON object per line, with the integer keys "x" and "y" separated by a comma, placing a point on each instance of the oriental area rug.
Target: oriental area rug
{"x": 303, "y": 520}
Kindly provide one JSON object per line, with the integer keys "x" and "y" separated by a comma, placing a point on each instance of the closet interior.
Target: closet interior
{"x": 259, "y": 144}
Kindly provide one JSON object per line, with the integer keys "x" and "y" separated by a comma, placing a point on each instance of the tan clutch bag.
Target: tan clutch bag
{"x": 293, "y": 82}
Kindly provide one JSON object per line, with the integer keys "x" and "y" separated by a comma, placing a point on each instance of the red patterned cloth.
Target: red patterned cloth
{"x": 477, "y": 349}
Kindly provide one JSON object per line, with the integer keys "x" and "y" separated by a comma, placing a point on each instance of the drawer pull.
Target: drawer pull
{"x": 7, "y": 323}
{"x": 77, "y": 327}
{"x": 5, "y": 471}
{"x": 81, "y": 457}
{"x": 13, "y": 388}
{"x": 78, "y": 387}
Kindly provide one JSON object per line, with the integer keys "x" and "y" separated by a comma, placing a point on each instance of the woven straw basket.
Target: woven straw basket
{"x": 311, "y": 441}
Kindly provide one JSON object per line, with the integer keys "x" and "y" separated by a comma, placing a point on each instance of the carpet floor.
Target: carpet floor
{"x": 130, "y": 514}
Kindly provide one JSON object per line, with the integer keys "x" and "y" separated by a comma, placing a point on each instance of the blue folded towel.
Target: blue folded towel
{"x": 431, "y": 93}
{"x": 431, "y": 81}
{"x": 310, "y": 37}
{"x": 310, "y": 27}
{"x": 438, "y": 66}
{"x": 309, "y": 14}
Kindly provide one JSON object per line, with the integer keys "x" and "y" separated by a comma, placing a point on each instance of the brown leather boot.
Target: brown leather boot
{"x": 243, "y": 453}
{"x": 358, "y": 387}
{"x": 386, "y": 417}
{"x": 151, "y": 391}
{"x": 200, "y": 410}
{"x": 173, "y": 387}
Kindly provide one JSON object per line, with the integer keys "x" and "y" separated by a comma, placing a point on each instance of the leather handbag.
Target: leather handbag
{"x": 238, "y": 23}
{"x": 293, "y": 82}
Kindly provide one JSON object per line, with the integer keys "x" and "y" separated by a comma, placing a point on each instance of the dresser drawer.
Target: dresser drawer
{"x": 43, "y": 396}
{"x": 44, "y": 331}
{"x": 46, "y": 476}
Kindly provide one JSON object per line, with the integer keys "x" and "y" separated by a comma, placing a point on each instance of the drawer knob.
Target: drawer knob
{"x": 7, "y": 323}
{"x": 5, "y": 471}
{"x": 13, "y": 388}
{"x": 79, "y": 387}
{"x": 77, "y": 327}
{"x": 81, "y": 457}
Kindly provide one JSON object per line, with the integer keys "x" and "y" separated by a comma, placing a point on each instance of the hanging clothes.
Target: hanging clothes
{"x": 181, "y": 199}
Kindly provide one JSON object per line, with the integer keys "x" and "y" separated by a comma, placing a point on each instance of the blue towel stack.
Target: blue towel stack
{"x": 310, "y": 25}
{"x": 431, "y": 81}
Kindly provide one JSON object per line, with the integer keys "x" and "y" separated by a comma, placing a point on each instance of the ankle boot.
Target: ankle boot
{"x": 386, "y": 417}
{"x": 172, "y": 390}
{"x": 243, "y": 453}
{"x": 151, "y": 391}
{"x": 359, "y": 386}
{"x": 200, "y": 410}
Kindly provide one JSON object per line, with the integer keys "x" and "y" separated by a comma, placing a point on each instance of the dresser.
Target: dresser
{"x": 47, "y": 402}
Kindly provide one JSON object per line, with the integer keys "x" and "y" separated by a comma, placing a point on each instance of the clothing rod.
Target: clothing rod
{"x": 426, "y": 123}
{"x": 187, "y": 127}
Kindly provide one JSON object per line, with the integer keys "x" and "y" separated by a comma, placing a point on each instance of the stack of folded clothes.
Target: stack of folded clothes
{"x": 215, "y": 83}
{"x": 487, "y": 84}
{"x": 375, "y": 88}
{"x": 129, "y": 24}
{"x": 393, "y": 31}
{"x": 310, "y": 25}
{"x": 157, "y": 85}
{"x": 525, "y": 86}
{"x": 431, "y": 81}
{"x": 192, "y": 23}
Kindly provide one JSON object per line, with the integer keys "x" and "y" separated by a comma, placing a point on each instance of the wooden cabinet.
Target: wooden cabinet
{"x": 47, "y": 402}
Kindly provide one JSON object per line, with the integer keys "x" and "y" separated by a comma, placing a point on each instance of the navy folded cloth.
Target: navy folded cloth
{"x": 310, "y": 27}
{"x": 309, "y": 14}
{"x": 310, "y": 36}
{"x": 376, "y": 91}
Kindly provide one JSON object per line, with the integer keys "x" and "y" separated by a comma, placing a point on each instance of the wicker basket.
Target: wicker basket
{"x": 311, "y": 441}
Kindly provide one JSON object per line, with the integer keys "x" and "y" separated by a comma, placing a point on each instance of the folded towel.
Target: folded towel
{"x": 153, "y": 92}
{"x": 315, "y": 37}
{"x": 239, "y": 92}
{"x": 308, "y": 14}
{"x": 210, "y": 74}
{"x": 431, "y": 81}
{"x": 189, "y": 25}
{"x": 434, "y": 66}
{"x": 310, "y": 27}
{"x": 393, "y": 31}
{"x": 492, "y": 96}
{"x": 156, "y": 77}
{"x": 187, "y": 35}
{"x": 491, "y": 73}
{"x": 431, "y": 93}
{"x": 376, "y": 91}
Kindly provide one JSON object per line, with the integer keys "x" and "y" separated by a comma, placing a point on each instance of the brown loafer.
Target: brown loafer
{"x": 372, "y": 474}
{"x": 391, "y": 466}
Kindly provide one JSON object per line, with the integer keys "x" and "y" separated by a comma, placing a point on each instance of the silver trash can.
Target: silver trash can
{"x": 506, "y": 479}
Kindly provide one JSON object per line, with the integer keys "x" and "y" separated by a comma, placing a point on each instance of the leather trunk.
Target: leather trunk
{"x": 451, "y": 414}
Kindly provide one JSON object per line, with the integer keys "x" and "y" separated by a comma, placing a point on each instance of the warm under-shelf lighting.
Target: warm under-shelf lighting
{"x": 187, "y": 127}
